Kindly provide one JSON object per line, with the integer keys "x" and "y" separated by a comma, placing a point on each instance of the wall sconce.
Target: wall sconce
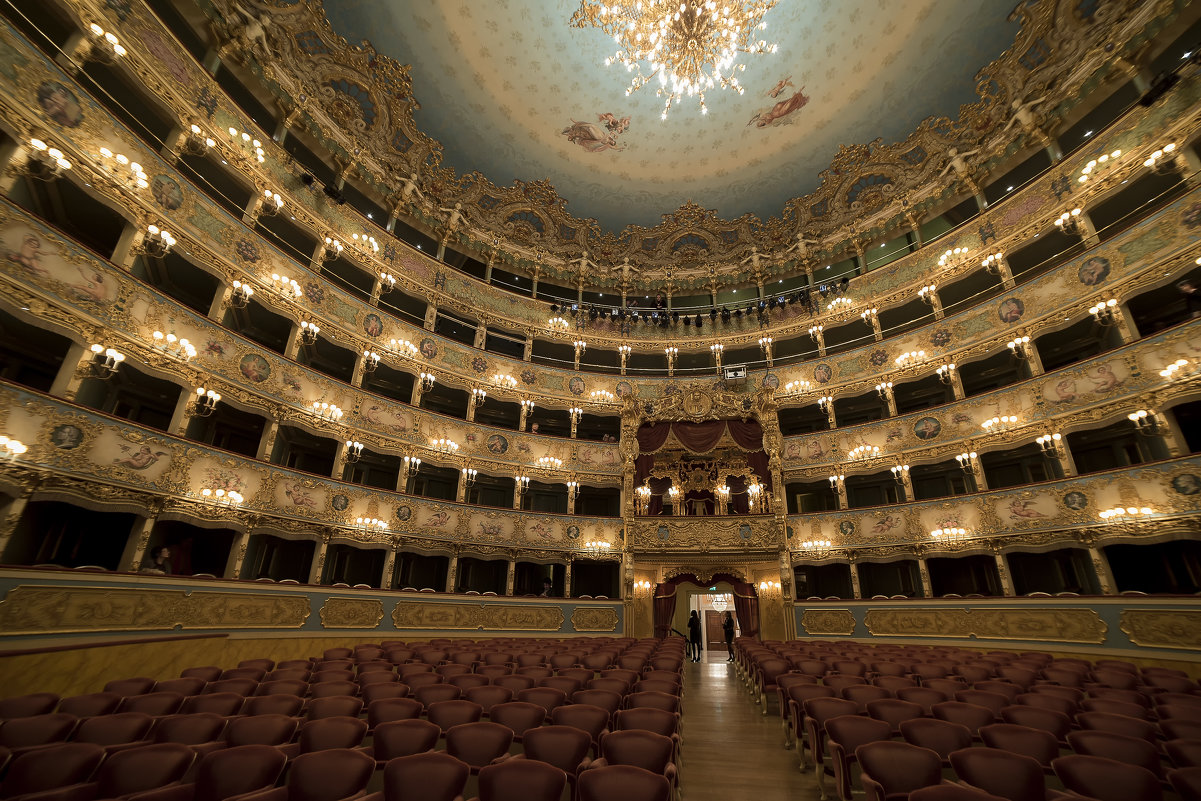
{"x": 927, "y": 293}
{"x": 717, "y": 349}
{"x": 825, "y": 402}
{"x": 469, "y": 476}
{"x": 244, "y": 142}
{"x": 992, "y": 264}
{"x": 557, "y": 323}
{"x": 602, "y": 396}
{"x": 1105, "y": 312}
{"x": 206, "y": 402}
{"x": 1145, "y": 422}
{"x": 354, "y": 450}
{"x": 387, "y": 282}
{"x": 598, "y": 547}
{"x": 196, "y": 143}
{"x": 365, "y": 244}
{"x": 326, "y": 411}
{"x": 1000, "y": 423}
{"x": 836, "y": 482}
{"x": 156, "y": 242}
{"x": 173, "y": 346}
{"x": 1126, "y": 514}
{"x": 1019, "y": 347}
{"x": 861, "y": 452}
{"x": 948, "y": 534}
{"x": 427, "y": 381}
{"x": 403, "y": 347}
{"x": 105, "y": 47}
{"x": 287, "y": 287}
{"x": 839, "y": 303}
{"x": 106, "y": 361}
{"x": 946, "y": 372}
{"x": 642, "y": 586}
{"x": 444, "y": 445}
{"x": 309, "y": 332}
{"x": 671, "y": 352}
{"x": 549, "y": 462}
{"x": 478, "y": 396}
{"x": 1163, "y": 161}
{"x": 884, "y": 389}
{"x": 576, "y": 412}
{"x": 1096, "y": 167}
{"x": 370, "y": 523}
{"x": 870, "y": 316}
{"x": 505, "y": 380}
{"x": 624, "y": 351}
{"x": 816, "y": 549}
{"x": 672, "y": 493}
{"x": 1175, "y": 369}
{"x": 1069, "y": 221}
{"x": 332, "y": 250}
{"x": 765, "y": 344}
{"x": 272, "y": 203}
{"x": 573, "y": 489}
{"x": 241, "y": 295}
{"x": 370, "y": 361}
{"x": 11, "y": 448}
{"x": 899, "y": 473}
{"x": 45, "y": 162}
{"x": 409, "y": 466}
{"x": 521, "y": 484}
{"x": 815, "y": 332}
{"x": 952, "y": 257}
{"x": 1051, "y": 444}
{"x": 642, "y": 496}
{"x": 769, "y": 586}
{"x": 527, "y": 406}
{"x": 121, "y": 171}
{"x": 797, "y": 387}
{"x": 910, "y": 357}
{"x": 580, "y": 346}
{"x": 967, "y": 461}
{"x": 221, "y": 497}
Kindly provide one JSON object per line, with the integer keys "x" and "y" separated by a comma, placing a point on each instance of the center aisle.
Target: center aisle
{"x": 731, "y": 751}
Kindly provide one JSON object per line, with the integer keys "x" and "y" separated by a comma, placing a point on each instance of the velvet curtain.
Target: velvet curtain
{"x": 700, "y": 438}
{"x": 665, "y": 608}
{"x": 746, "y": 606}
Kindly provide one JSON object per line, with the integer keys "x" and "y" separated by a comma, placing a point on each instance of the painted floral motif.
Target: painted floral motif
{"x": 1192, "y": 216}
{"x": 246, "y": 250}
{"x": 214, "y": 348}
{"x": 940, "y": 338}
{"x": 314, "y": 291}
{"x": 878, "y": 357}
{"x": 223, "y": 478}
{"x": 479, "y": 364}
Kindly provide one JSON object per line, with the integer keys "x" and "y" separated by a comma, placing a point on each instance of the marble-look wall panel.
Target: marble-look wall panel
{"x": 71, "y": 441}
{"x": 1145, "y": 630}
{"x": 87, "y": 128}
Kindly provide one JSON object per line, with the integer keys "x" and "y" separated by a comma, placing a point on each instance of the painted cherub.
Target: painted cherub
{"x": 139, "y": 459}
{"x": 1019, "y": 509}
{"x": 28, "y": 255}
{"x": 776, "y": 90}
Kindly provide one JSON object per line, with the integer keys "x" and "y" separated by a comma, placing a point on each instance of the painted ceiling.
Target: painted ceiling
{"x": 512, "y": 91}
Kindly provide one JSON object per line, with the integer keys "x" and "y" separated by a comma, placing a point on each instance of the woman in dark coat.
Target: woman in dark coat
{"x": 694, "y": 636}
{"x": 727, "y": 626}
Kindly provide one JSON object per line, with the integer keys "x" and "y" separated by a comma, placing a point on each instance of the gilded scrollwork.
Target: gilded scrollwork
{"x": 917, "y": 622}
{"x": 351, "y": 613}
{"x": 594, "y": 618}
{"x": 828, "y": 622}
{"x": 1163, "y": 628}
{"x": 1076, "y": 625}
{"x": 469, "y": 616}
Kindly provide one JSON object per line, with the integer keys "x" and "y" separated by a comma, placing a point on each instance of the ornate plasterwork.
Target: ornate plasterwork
{"x": 49, "y": 609}
{"x": 704, "y": 573}
{"x": 351, "y": 613}
{"x": 828, "y": 621}
{"x": 469, "y": 616}
{"x": 1042, "y": 625}
{"x": 588, "y": 618}
{"x": 869, "y": 189}
{"x": 1163, "y": 628}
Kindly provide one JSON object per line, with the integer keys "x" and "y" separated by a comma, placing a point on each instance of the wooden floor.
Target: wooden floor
{"x": 730, "y": 750}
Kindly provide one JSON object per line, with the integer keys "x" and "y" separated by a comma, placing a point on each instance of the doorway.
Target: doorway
{"x": 712, "y": 608}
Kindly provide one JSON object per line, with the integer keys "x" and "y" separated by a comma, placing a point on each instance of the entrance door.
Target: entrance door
{"x": 715, "y": 637}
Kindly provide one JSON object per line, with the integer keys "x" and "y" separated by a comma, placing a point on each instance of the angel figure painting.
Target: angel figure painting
{"x": 596, "y": 137}
{"x": 776, "y": 115}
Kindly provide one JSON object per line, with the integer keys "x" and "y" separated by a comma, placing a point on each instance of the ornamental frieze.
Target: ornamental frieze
{"x": 351, "y": 613}
{"x": 1059, "y": 624}
{"x": 471, "y": 617}
{"x": 1163, "y": 628}
{"x": 828, "y": 622}
{"x": 594, "y": 618}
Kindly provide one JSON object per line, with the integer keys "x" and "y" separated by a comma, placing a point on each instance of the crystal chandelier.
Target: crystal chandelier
{"x": 691, "y": 45}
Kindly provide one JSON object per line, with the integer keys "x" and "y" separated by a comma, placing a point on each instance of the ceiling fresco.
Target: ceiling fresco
{"x": 510, "y": 90}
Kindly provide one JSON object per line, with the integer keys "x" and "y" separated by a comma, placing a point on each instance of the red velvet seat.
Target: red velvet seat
{"x": 1038, "y": 744}
{"x": 133, "y": 770}
{"x": 940, "y": 736}
{"x": 90, "y": 704}
{"x": 26, "y": 706}
{"x": 447, "y": 714}
{"x": 479, "y": 744}
{"x": 521, "y": 780}
{"x": 517, "y": 716}
{"x": 398, "y": 738}
{"x": 327, "y": 734}
{"x": 224, "y": 774}
{"x": 267, "y": 729}
{"x": 433, "y": 776}
{"x": 51, "y": 767}
{"x": 1119, "y": 747}
{"x": 1106, "y": 779}
{"x": 844, "y": 734}
{"x": 21, "y": 733}
{"x": 334, "y": 706}
{"x": 623, "y": 783}
{"x": 1013, "y": 776}
{"x": 891, "y": 770}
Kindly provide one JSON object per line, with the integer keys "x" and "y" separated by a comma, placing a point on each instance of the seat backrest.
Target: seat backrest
{"x": 924, "y": 696}
{"x": 203, "y": 727}
{"x": 1106, "y": 779}
{"x": 399, "y": 738}
{"x": 183, "y": 686}
{"x": 232, "y": 771}
{"x": 565, "y": 747}
{"x": 273, "y": 705}
{"x": 546, "y": 697}
{"x": 893, "y": 711}
{"x": 1002, "y": 773}
{"x": 57, "y": 765}
{"x": 517, "y": 716}
{"x": 334, "y": 706}
{"x": 218, "y": 703}
{"x": 1118, "y": 724}
{"x": 521, "y": 780}
{"x": 1184, "y": 753}
{"x": 898, "y": 767}
{"x": 940, "y": 736}
{"x": 153, "y": 704}
{"x": 588, "y": 718}
{"x": 1186, "y": 782}
{"x": 122, "y": 727}
{"x": 329, "y": 775}
{"x": 478, "y": 743}
{"x": 655, "y": 720}
{"x": 268, "y": 729}
{"x": 653, "y": 699}
{"x": 623, "y": 783}
{"x": 54, "y": 727}
{"x": 135, "y": 685}
{"x": 90, "y": 704}
{"x": 436, "y": 776}
{"x": 332, "y": 732}
{"x": 638, "y": 747}
{"x": 241, "y": 687}
{"x": 1038, "y": 744}
{"x": 432, "y": 693}
{"x": 971, "y": 715}
{"x": 26, "y": 706}
{"x": 143, "y": 768}
{"x": 1131, "y": 750}
{"x": 453, "y": 712}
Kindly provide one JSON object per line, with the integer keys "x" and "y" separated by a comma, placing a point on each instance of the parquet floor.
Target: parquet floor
{"x": 730, "y": 750}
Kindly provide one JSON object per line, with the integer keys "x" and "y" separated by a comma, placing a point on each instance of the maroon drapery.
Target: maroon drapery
{"x": 701, "y": 438}
{"x": 748, "y": 434}
{"x": 665, "y": 608}
{"x": 746, "y": 606}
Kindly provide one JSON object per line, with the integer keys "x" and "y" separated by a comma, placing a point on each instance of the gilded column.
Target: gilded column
{"x": 71, "y": 372}
{"x": 923, "y": 575}
{"x": 318, "y": 565}
{"x": 237, "y": 555}
{"x": 139, "y": 538}
{"x": 386, "y": 582}
{"x": 1101, "y": 567}
{"x": 12, "y": 514}
{"x": 856, "y": 590}
{"x": 511, "y": 575}
{"x": 452, "y": 572}
{"x": 567, "y": 576}
{"x": 1003, "y": 573}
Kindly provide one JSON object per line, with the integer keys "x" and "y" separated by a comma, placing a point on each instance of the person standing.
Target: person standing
{"x": 694, "y": 636}
{"x": 727, "y": 626}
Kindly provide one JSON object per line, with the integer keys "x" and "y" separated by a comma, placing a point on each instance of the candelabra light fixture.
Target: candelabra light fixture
{"x": 576, "y": 412}
{"x": 11, "y": 448}
{"x": 837, "y": 481}
{"x": 527, "y": 406}
{"x": 946, "y": 372}
{"x": 106, "y": 361}
{"x": 1105, "y": 311}
{"x": 387, "y": 282}
{"x": 173, "y": 346}
{"x": 1175, "y": 369}
{"x": 815, "y": 331}
{"x": 272, "y": 203}
{"x": 444, "y": 445}
{"x": 949, "y": 534}
{"x": 1163, "y": 160}
{"x": 1145, "y": 421}
{"x": 370, "y": 523}
{"x": 206, "y": 402}
{"x": 1051, "y": 444}
{"x": 427, "y": 381}
{"x": 884, "y": 389}
{"x": 926, "y": 293}
{"x": 899, "y": 472}
{"x": 797, "y": 387}
{"x": 332, "y": 250}
{"x": 999, "y": 423}
{"x": 123, "y": 172}
{"x": 680, "y": 42}
{"x": 197, "y": 142}
{"x": 504, "y": 380}
{"x": 862, "y": 452}
{"x": 1069, "y": 221}
{"x": 557, "y": 322}
{"x": 580, "y": 346}
{"x": 952, "y": 257}
{"x": 326, "y": 411}
{"x": 247, "y": 144}
{"x": 241, "y": 295}
{"x": 717, "y": 349}
{"x": 624, "y": 351}
{"x": 289, "y": 288}
{"x": 478, "y": 395}
{"x": 671, "y": 352}
{"x": 1126, "y": 514}
{"x": 967, "y": 461}
{"x": 1098, "y": 166}
{"x": 825, "y": 402}
{"x": 521, "y": 484}
{"x": 765, "y": 343}
{"x": 870, "y": 315}
{"x": 45, "y": 162}
{"x": 403, "y": 347}
{"x": 105, "y": 46}
{"x": 354, "y": 451}
{"x": 601, "y": 396}
{"x": 839, "y": 303}
{"x": 365, "y": 244}
{"x": 370, "y": 361}
{"x": 469, "y": 476}
{"x": 816, "y": 549}
{"x": 992, "y": 262}
{"x": 573, "y": 489}
{"x": 1019, "y": 347}
{"x": 598, "y": 546}
{"x": 549, "y": 462}
{"x": 642, "y": 586}
{"x": 309, "y": 332}
{"x": 766, "y": 586}
{"x": 673, "y": 492}
{"x": 221, "y": 496}
{"x": 157, "y": 242}
{"x": 409, "y": 466}
{"x": 910, "y": 357}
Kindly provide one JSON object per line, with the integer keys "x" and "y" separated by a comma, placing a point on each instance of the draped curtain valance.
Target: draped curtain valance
{"x": 700, "y": 437}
